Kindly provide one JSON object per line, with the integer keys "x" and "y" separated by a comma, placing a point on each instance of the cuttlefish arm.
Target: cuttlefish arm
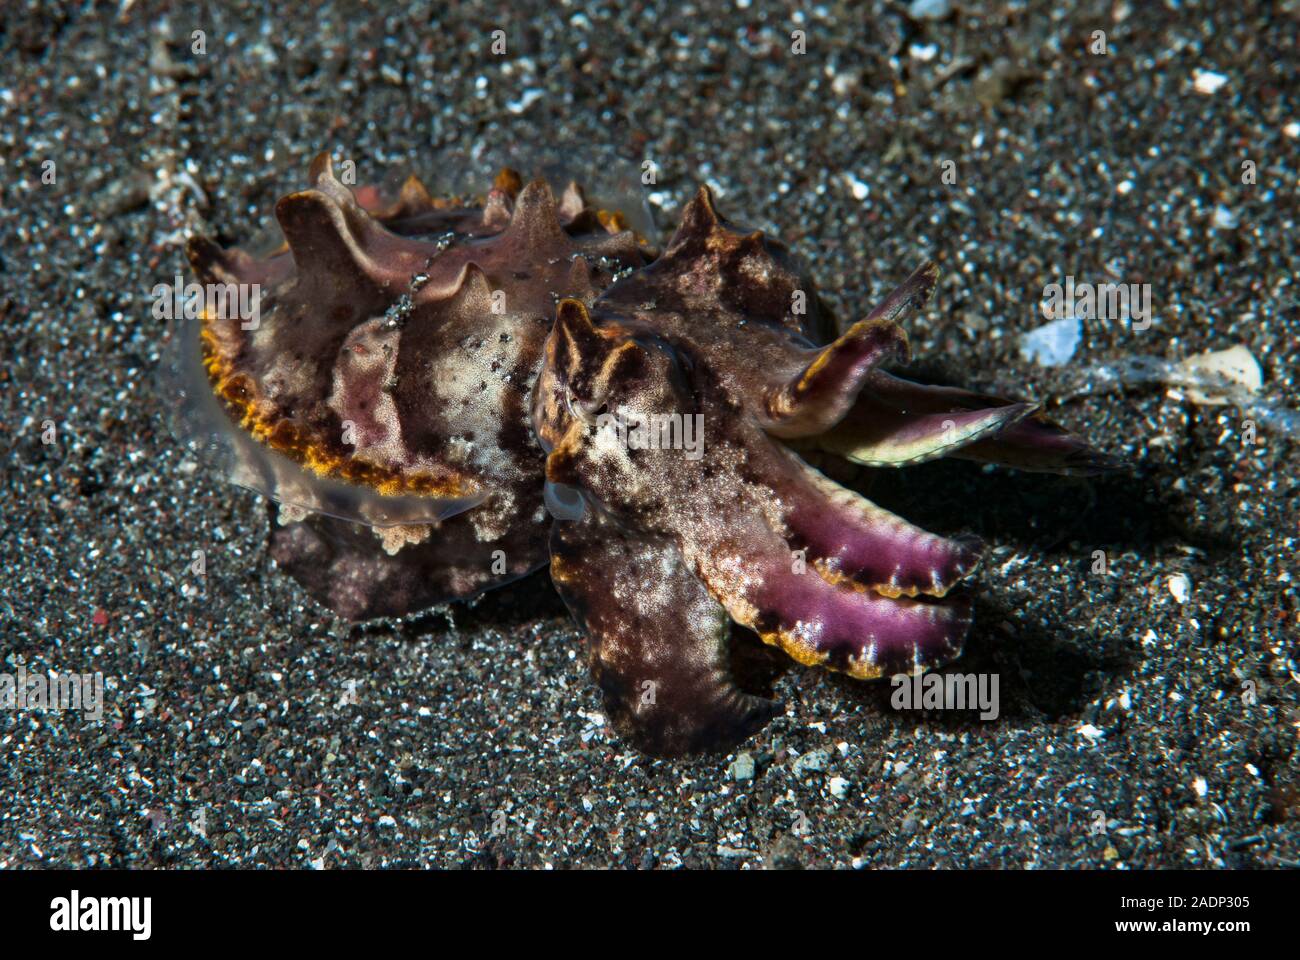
{"x": 897, "y": 422}
{"x": 658, "y": 642}
{"x": 840, "y": 399}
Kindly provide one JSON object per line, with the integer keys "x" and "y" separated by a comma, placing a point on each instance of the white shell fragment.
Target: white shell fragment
{"x": 1091, "y": 732}
{"x": 1235, "y": 365}
{"x": 1053, "y": 343}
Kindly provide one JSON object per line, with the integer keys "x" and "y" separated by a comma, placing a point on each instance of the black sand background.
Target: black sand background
{"x": 229, "y": 738}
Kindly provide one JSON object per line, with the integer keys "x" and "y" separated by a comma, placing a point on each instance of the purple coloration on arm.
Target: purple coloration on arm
{"x": 859, "y": 631}
{"x": 853, "y": 538}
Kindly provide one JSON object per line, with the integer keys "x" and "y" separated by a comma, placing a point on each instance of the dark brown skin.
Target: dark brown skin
{"x": 343, "y": 566}
{"x": 658, "y": 640}
{"x": 446, "y": 364}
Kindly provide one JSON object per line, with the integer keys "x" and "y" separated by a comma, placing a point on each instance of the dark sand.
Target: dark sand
{"x": 476, "y": 738}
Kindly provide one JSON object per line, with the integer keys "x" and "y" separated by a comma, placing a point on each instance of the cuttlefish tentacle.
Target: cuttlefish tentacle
{"x": 851, "y": 538}
{"x": 658, "y": 642}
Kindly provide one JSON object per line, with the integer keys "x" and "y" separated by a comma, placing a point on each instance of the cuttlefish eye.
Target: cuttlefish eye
{"x": 587, "y": 410}
{"x": 563, "y": 501}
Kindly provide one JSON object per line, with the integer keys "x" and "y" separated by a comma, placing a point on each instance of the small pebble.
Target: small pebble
{"x": 811, "y": 762}
{"x": 930, "y": 9}
{"x": 1224, "y": 218}
{"x": 1208, "y": 82}
{"x": 742, "y": 768}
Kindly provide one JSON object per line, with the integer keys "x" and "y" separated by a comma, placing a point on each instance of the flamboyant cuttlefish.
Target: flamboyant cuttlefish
{"x": 446, "y": 395}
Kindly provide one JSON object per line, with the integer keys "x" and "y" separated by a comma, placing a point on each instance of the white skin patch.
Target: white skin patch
{"x": 701, "y": 282}
{"x": 471, "y": 387}
{"x": 291, "y": 513}
{"x": 607, "y": 447}
{"x": 396, "y": 537}
{"x": 493, "y": 519}
{"x": 656, "y": 593}
{"x": 459, "y": 450}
